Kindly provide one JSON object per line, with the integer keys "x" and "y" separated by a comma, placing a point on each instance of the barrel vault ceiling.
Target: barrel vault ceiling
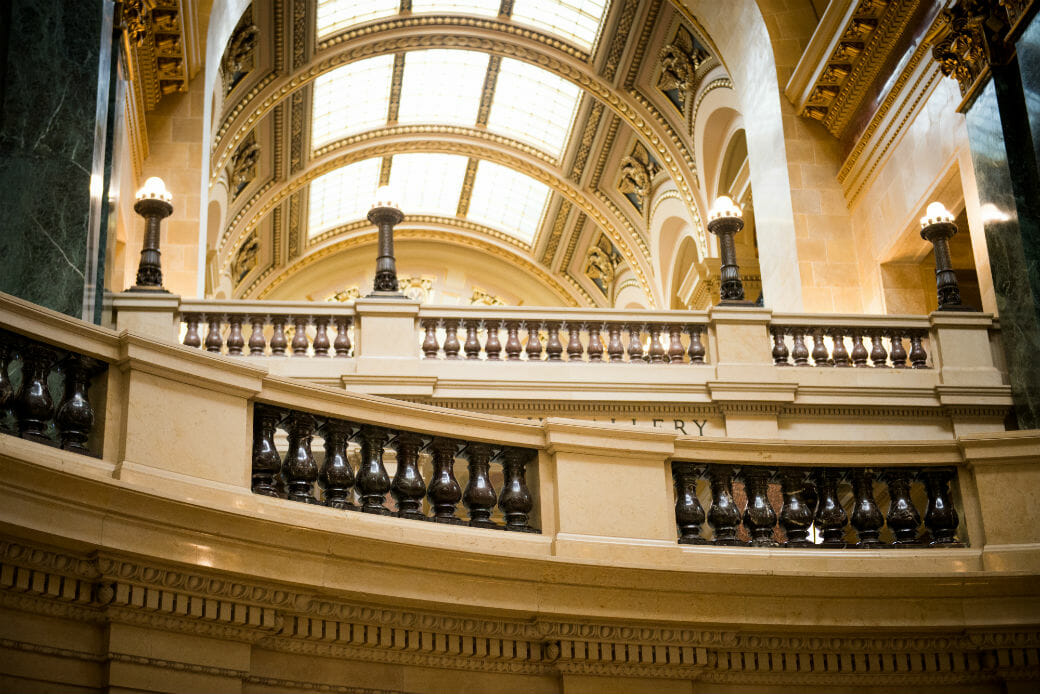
{"x": 533, "y": 130}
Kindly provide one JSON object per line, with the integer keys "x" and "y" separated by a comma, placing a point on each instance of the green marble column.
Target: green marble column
{"x": 1004, "y": 156}
{"x": 53, "y": 127}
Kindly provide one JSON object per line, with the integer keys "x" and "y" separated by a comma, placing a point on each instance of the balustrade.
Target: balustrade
{"x": 561, "y": 340}
{"x": 45, "y": 394}
{"x": 384, "y": 471}
{"x": 877, "y": 346}
{"x": 314, "y": 331}
{"x": 823, "y": 507}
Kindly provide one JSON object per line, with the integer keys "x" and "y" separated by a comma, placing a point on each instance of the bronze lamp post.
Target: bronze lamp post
{"x": 725, "y": 220}
{"x": 153, "y": 203}
{"x": 385, "y": 214}
{"x": 937, "y": 228}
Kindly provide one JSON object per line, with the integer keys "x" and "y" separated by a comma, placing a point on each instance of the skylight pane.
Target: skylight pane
{"x": 486, "y": 8}
{"x": 442, "y": 86}
{"x": 428, "y": 183}
{"x": 342, "y": 196}
{"x": 334, "y": 15}
{"x": 351, "y": 99}
{"x": 576, "y": 21}
{"x": 507, "y": 200}
{"x": 533, "y": 105}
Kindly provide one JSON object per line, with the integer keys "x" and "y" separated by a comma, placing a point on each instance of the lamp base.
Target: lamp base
{"x": 736, "y": 302}
{"x": 960, "y": 307}
{"x": 150, "y": 290}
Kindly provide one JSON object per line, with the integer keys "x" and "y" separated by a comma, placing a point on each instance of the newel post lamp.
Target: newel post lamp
{"x": 385, "y": 214}
{"x": 725, "y": 220}
{"x": 153, "y": 203}
{"x": 937, "y": 228}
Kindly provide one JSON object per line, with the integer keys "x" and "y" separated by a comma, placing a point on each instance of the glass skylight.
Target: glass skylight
{"x": 343, "y": 195}
{"x": 351, "y": 99}
{"x": 485, "y": 8}
{"x": 533, "y": 105}
{"x": 576, "y": 21}
{"x": 428, "y": 183}
{"x": 442, "y": 86}
{"x": 507, "y": 200}
{"x": 334, "y": 15}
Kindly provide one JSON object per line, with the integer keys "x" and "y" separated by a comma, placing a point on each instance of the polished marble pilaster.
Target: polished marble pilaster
{"x": 1002, "y": 154}
{"x": 47, "y": 149}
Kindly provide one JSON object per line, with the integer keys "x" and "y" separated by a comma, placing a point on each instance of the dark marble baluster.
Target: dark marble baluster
{"x": 759, "y": 516}
{"x": 839, "y": 353}
{"x": 820, "y": 356}
{"x": 472, "y": 344}
{"x": 444, "y": 491}
{"x": 799, "y": 506}
{"x": 689, "y": 514}
{"x": 451, "y": 339}
{"x": 429, "y": 345}
{"x": 615, "y": 350}
{"x": 656, "y": 352}
{"x": 299, "y": 470}
{"x": 191, "y": 334}
{"x": 214, "y": 342}
{"x": 299, "y": 340}
{"x": 898, "y": 353}
{"x": 902, "y": 517}
{"x": 918, "y": 356}
{"x": 553, "y": 345}
{"x": 859, "y": 352}
{"x": 34, "y": 405}
{"x": 800, "y": 353}
{"x": 341, "y": 344}
{"x": 696, "y": 350}
{"x": 575, "y": 350}
{"x": 372, "y": 481}
{"x": 635, "y": 344}
{"x": 479, "y": 496}
{"x": 408, "y": 486}
{"x": 6, "y": 386}
{"x": 830, "y": 515}
{"x": 236, "y": 341}
{"x": 337, "y": 476}
{"x": 266, "y": 461}
{"x": 878, "y": 354}
{"x": 513, "y": 346}
{"x": 723, "y": 515}
{"x": 492, "y": 345}
{"x": 866, "y": 517}
{"x": 941, "y": 518}
{"x": 75, "y": 417}
{"x": 780, "y": 351}
{"x": 675, "y": 349}
{"x": 534, "y": 343}
{"x": 595, "y": 349}
{"x": 278, "y": 341}
{"x": 515, "y": 501}
{"x": 257, "y": 341}
{"x": 322, "y": 344}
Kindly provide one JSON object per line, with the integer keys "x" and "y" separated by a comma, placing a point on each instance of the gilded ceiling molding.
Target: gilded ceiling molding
{"x": 588, "y": 134}
{"x": 572, "y": 242}
{"x": 699, "y": 235}
{"x": 405, "y": 232}
{"x": 238, "y": 230}
{"x": 620, "y": 39}
{"x": 556, "y": 233}
{"x": 422, "y": 219}
{"x": 718, "y": 83}
{"x": 670, "y": 147}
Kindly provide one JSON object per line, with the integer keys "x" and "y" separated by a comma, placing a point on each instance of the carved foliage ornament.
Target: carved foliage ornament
{"x": 154, "y": 47}
{"x": 246, "y": 258}
{"x": 636, "y": 173}
{"x": 679, "y": 62}
{"x": 240, "y": 56}
{"x": 601, "y": 262}
{"x": 243, "y": 165}
{"x": 482, "y": 298}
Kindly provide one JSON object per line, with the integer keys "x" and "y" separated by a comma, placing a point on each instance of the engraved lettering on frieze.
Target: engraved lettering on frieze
{"x": 243, "y": 165}
{"x": 240, "y": 56}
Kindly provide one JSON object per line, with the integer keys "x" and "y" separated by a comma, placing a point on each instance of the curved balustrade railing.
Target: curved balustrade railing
{"x": 876, "y": 341}
{"x": 45, "y": 393}
{"x": 419, "y": 480}
{"x": 277, "y": 329}
{"x": 829, "y": 508}
{"x": 538, "y": 334}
